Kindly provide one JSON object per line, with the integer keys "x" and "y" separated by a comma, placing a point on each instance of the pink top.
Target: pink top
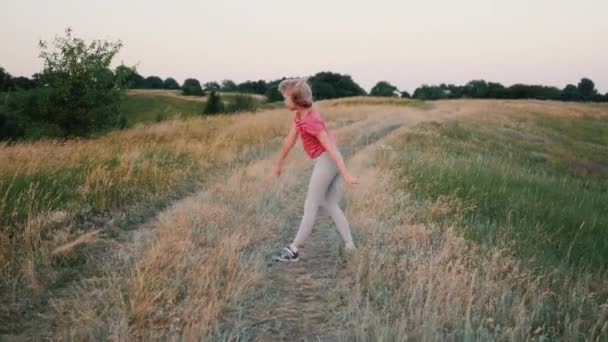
{"x": 309, "y": 127}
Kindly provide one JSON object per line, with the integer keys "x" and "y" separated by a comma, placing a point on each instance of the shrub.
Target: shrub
{"x": 214, "y": 104}
{"x": 242, "y": 103}
{"x": 192, "y": 87}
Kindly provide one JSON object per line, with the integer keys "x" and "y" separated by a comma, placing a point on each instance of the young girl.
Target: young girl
{"x": 319, "y": 144}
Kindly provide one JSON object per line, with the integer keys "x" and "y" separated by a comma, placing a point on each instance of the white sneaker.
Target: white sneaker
{"x": 286, "y": 255}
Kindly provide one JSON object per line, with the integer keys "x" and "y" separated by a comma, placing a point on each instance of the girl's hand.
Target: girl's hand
{"x": 276, "y": 170}
{"x": 350, "y": 181}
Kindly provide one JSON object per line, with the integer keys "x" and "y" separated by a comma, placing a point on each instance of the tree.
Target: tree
{"x": 6, "y": 83}
{"x": 570, "y": 93}
{"x": 132, "y": 79}
{"x": 454, "y": 91}
{"x": 383, "y": 88}
{"x": 170, "y": 83}
{"x": 496, "y": 90}
{"x": 476, "y": 89}
{"x": 229, "y": 86}
{"x": 329, "y": 85}
{"x": 137, "y": 81}
{"x": 427, "y": 92}
{"x": 211, "y": 86}
{"x": 524, "y": 91}
{"x": 405, "y": 94}
{"x": 253, "y": 87}
{"x": 10, "y": 128}
{"x": 192, "y": 86}
{"x": 23, "y": 83}
{"x": 84, "y": 94}
{"x": 214, "y": 104}
{"x": 272, "y": 93}
{"x": 586, "y": 89}
{"x": 153, "y": 82}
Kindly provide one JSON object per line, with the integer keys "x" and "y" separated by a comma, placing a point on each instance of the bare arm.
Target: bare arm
{"x": 288, "y": 143}
{"x": 331, "y": 148}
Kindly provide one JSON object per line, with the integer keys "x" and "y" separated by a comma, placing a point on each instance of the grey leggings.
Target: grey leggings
{"x": 323, "y": 191}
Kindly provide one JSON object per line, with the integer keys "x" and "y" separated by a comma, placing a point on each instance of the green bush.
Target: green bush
{"x": 10, "y": 127}
{"x": 214, "y": 104}
{"x": 26, "y": 114}
{"x": 242, "y": 103}
{"x": 192, "y": 87}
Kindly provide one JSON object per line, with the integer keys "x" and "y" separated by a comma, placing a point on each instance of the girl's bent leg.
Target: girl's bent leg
{"x": 330, "y": 204}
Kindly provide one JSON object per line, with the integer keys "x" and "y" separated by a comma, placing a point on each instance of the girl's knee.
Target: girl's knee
{"x": 329, "y": 206}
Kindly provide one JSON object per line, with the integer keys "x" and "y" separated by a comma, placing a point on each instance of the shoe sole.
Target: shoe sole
{"x": 284, "y": 260}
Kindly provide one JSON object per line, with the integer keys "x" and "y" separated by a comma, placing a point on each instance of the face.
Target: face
{"x": 288, "y": 101}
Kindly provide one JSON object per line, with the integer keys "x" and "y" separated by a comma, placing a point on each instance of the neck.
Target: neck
{"x": 302, "y": 112}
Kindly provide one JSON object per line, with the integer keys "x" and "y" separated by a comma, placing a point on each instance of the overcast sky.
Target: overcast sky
{"x": 408, "y": 43}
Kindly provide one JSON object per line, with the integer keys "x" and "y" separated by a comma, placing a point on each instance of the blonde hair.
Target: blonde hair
{"x": 299, "y": 91}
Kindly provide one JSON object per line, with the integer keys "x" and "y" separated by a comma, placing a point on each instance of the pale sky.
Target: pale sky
{"x": 408, "y": 43}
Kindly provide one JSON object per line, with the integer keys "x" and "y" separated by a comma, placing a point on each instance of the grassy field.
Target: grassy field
{"x": 150, "y": 106}
{"x": 536, "y": 179}
{"x": 474, "y": 220}
{"x": 499, "y": 231}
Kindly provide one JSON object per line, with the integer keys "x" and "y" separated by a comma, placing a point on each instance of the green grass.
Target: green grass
{"x": 518, "y": 182}
{"x": 148, "y": 108}
{"x": 583, "y": 138}
{"x": 156, "y": 108}
{"x": 41, "y": 190}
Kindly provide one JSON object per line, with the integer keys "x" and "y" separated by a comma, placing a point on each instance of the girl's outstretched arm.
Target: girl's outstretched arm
{"x": 331, "y": 148}
{"x": 288, "y": 143}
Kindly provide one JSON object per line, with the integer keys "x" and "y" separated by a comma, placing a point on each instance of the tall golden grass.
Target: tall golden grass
{"x": 111, "y": 167}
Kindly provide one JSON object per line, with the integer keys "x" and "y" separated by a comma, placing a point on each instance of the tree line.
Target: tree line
{"x": 77, "y": 93}
{"x": 329, "y": 85}
{"x": 480, "y": 89}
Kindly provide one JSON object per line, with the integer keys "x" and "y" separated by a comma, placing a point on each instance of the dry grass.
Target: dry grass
{"x": 105, "y": 175}
{"x": 411, "y": 277}
{"x": 100, "y": 173}
{"x": 415, "y": 277}
{"x": 198, "y": 256}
